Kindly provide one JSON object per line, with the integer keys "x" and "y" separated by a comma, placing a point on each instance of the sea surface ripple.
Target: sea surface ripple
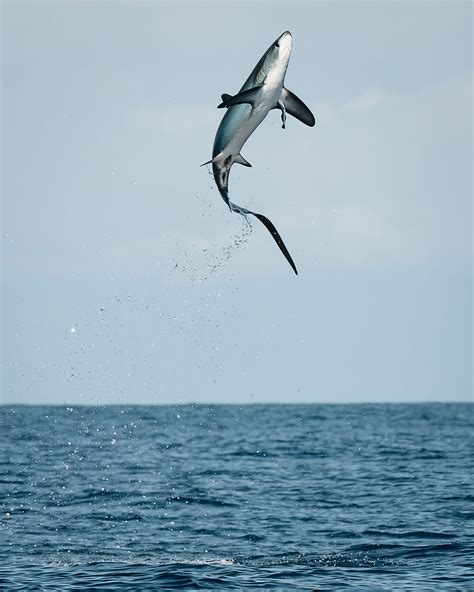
{"x": 310, "y": 497}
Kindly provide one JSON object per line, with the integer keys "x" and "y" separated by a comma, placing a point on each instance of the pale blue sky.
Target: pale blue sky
{"x": 125, "y": 277}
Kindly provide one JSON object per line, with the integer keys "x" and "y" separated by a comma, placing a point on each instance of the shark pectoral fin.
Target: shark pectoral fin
{"x": 239, "y": 159}
{"x": 225, "y": 97}
{"x": 297, "y": 108}
{"x": 247, "y": 96}
{"x": 276, "y": 236}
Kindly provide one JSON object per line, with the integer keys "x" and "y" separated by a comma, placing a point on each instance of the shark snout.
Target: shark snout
{"x": 284, "y": 41}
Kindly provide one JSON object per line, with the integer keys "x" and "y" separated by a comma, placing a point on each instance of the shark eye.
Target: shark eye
{"x": 277, "y": 44}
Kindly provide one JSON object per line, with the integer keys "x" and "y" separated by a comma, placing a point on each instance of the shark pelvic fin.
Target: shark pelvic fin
{"x": 239, "y": 159}
{"x": 247, "y": 96}
{"x": 215, "y": 159}
{"x": 295, "y": 106}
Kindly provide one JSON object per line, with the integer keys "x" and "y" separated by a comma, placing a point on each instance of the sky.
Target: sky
{"x": 125, "y": 278}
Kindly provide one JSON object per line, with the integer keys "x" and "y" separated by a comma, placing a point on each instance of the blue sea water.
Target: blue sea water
{"x": 310, "y": 497}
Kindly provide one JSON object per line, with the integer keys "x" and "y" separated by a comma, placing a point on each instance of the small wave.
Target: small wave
{"x": 398, "y": 550}
{"x": 373, "y": 547}
{"x": 252, "y": 538}
{"x": 92, "y": 560}
{"x": 109, "y": 517}
{"x": 454, "y": 498}
{"x": 204, "y": 501}
{"x": 426, "y": 454}
{"x": 353, "y": 560}
{"x": 98, "y": 494}
{"x": 244, "y": 452}
{"x": 204, "y": 561}
{"x": 415, "y": 534}
{"x": 430, "y": 550}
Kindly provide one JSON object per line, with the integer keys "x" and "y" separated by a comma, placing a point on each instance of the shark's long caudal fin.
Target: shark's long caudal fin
{"x": 271, "y": 229}
{"x": 276, "y": 235}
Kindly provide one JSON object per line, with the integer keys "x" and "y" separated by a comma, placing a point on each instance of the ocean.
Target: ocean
{"x": 280, "y": 497}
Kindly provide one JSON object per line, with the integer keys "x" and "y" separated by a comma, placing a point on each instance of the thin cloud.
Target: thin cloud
{"x": 177, "y": 120}
{"x": 367, "y": 101}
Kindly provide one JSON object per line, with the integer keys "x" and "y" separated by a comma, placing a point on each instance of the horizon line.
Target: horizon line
{"x": 247, "y": 404}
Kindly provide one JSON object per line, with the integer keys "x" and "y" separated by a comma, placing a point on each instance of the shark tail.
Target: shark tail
{"x": 269, "y": 226}
{"x": 224, "y": 192}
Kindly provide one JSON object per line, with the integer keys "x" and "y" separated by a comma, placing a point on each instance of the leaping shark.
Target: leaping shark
{"x": 263, "y": 91}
